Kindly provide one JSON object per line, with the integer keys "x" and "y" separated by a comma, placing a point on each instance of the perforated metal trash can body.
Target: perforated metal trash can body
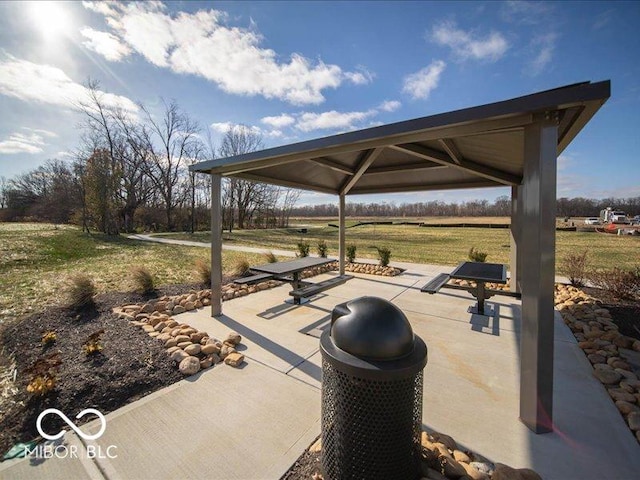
{"x": 371, "y": 393}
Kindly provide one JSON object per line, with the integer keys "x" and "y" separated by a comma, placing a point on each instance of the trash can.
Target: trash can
{"x": 371, "y": 393}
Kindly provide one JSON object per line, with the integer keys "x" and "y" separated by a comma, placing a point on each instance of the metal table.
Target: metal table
{"x": 481, "y": 273}
{"x": 281, "y": 270}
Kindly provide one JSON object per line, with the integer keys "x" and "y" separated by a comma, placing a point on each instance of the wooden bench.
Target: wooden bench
{"x": 436, "y": 284}
{"x": 253, "y": 279}
{"x": 314, "y": 288}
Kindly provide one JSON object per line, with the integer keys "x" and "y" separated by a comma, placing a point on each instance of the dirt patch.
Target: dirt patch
{"x": 129, "y": 366}
{"x": 307, "y": 467}
{"x": 627, "y": 317}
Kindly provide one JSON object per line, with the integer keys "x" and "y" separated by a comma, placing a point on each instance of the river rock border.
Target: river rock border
{"x": 604, "y": 346}
{"x": 443, "y": 459}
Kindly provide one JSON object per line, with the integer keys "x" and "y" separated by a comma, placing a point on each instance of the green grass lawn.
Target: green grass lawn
{"x": 442, "y": 246}
{"x": 37, "y": 259}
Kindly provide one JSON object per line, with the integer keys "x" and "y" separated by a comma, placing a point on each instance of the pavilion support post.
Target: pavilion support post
{"x": 341, "y": 233}
{"x": 515, "y": 260}
{"x": 537, "y": 274}
{"x": 216, "y": 245}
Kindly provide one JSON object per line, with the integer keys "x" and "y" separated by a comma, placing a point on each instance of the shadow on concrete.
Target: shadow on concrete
{"x": 292, "y": 358}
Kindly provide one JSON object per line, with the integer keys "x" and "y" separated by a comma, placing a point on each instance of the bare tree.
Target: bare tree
{"x": 4, "y": 188}
{"x": 169, "y": 143}
{"x": 240, "y": 195}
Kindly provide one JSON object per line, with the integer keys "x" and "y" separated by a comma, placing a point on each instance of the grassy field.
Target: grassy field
{"x": 37, "y": 259}
{"x": 443, "y": 246}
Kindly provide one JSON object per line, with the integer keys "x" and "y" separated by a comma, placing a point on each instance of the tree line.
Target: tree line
{"x": 130, "y": 172}
{"x": 566, "y": 207}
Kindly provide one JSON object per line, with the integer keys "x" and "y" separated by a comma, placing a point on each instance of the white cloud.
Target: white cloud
{"x": 202, "y": 44}
{"x": 107, "y": 45}
{"x": 525, "y": 12}
{"x": 31, "y": 142}
{"x": 421, "y": 83}
{"x": 224, "y": 127}
{"x": 389, "y": 105}
{"x": 330, "y": 120}
{"x": 102, "y": 7}
{"x": 279, "y": 121}
{"x": 33, "y": 82}
{"x": 543, "y": 46}
{"x": 467, "y": 46}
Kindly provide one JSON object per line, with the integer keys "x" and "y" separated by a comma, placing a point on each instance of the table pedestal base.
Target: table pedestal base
{"x": 488, "y": 311}
{"x": 293, "y": 301}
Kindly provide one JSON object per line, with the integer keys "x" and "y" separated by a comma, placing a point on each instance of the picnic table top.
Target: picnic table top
{"x": 291, "y": 266}
{"x": 480, "y": 272}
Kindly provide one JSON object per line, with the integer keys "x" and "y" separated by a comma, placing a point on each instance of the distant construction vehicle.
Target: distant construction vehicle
{"x": 609, "y": 215}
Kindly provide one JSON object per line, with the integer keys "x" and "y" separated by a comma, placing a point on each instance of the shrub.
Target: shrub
{"x": 270, "y": 257}
{"x": 384, "y": 254}
{"x": 477, "y": 255}
{"x": 322, "y": 249}
{"x": 351, "y": 253}
{"x": 49, "y": 337}
{"x": 80, "y": 291}
{"x": 620, "y": 283}
{"x": 303, "y": 249}
{"x": 203, "y": 271}
{"x": 92, "y": 345}
{"x": 240, "y": 267}
{"x": 142, "y": 279}
{"x": 574, "y": 266}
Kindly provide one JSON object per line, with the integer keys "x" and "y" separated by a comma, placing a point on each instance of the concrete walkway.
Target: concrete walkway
{"x": 252, "y": 423}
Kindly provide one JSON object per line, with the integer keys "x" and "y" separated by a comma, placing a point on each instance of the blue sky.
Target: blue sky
{"x": 300, "y": 70}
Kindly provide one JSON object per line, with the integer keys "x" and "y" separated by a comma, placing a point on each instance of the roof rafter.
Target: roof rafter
{"x": 366, "y": 159}
{"x": 422, "y": 187}
{"x": 437, "y": 156}
{"x": 405, "y": 167}
{"x": 333, "y": 165}
{"x": 450, "y": 147}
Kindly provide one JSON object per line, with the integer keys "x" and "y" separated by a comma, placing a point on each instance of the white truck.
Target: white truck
{"x": 609, "y": 215}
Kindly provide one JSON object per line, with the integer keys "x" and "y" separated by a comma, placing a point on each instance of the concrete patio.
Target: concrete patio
{"x": 254, "y": 422}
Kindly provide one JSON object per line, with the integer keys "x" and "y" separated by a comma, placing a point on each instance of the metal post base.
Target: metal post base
{"x": 489, "y": 311}
{"x": 293, "y": 301}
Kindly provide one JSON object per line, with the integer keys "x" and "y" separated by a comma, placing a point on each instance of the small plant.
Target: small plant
{"x": 80, "y": 291}
{"x": 92, "y": 345}
{"x": 619, "y": 282}
{"x": 384, "y": 255}
{"x": 240, "y": 266}
{"x": 303, "y": 249}
{"x": 270, "y": 257}
{"x": 322, "y": 249}
{"x": 477, "y": 255}
{"x": 351, "y": 253}
{"x": 574, "y": 266}
{"x": 49, "y": 337}
{"x": 43, "y": 373}
{"x": 142, "y": 279}
{"x": 203, "y": 271}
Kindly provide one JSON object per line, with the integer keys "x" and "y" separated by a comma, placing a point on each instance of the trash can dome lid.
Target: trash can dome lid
{"x": 371, "y": 328}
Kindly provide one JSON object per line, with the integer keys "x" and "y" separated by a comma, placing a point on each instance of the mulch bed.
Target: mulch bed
{"x": 130, "y": 365}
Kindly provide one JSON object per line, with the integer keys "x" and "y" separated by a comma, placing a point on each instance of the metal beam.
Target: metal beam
{"x": 450, "y": 147}
{"x": 327, "y": 162}
{"x": 341, "y": 234}
{"x": 538, "y": 274}
{"x": 216, "y": 246}
{"x": 285, "y": 183}
{"x": 405, "y": 167}
{"x": 411, "y": 187}
{"x": 515, "y": 251}
{"x": 436, "y": 156}
{"x": 367, "y": 158}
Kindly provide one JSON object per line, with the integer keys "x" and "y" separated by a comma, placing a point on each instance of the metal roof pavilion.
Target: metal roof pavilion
{"x": 511, "y": 143}
{"x": 475, "y": 147}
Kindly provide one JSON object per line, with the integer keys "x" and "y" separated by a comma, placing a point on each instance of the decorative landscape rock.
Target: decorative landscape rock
{"x": 234, "y": 359}
{"x": 190, "y": 365}
{"x": 599, "y": 338}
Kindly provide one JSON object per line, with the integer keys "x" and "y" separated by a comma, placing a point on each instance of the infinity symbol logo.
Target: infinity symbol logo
{"x": 73, "y": 426}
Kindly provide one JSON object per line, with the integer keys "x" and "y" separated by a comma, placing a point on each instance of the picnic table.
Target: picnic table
{"x": 289, "y": 271}
{"x": 478, "y": 272}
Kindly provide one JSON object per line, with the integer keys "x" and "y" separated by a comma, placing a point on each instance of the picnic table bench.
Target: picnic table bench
{"x": 478, "y": 272}
{"x": 290, "y": 271}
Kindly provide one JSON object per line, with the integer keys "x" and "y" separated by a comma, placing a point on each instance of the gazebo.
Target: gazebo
{"x": 511, "y": 143}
